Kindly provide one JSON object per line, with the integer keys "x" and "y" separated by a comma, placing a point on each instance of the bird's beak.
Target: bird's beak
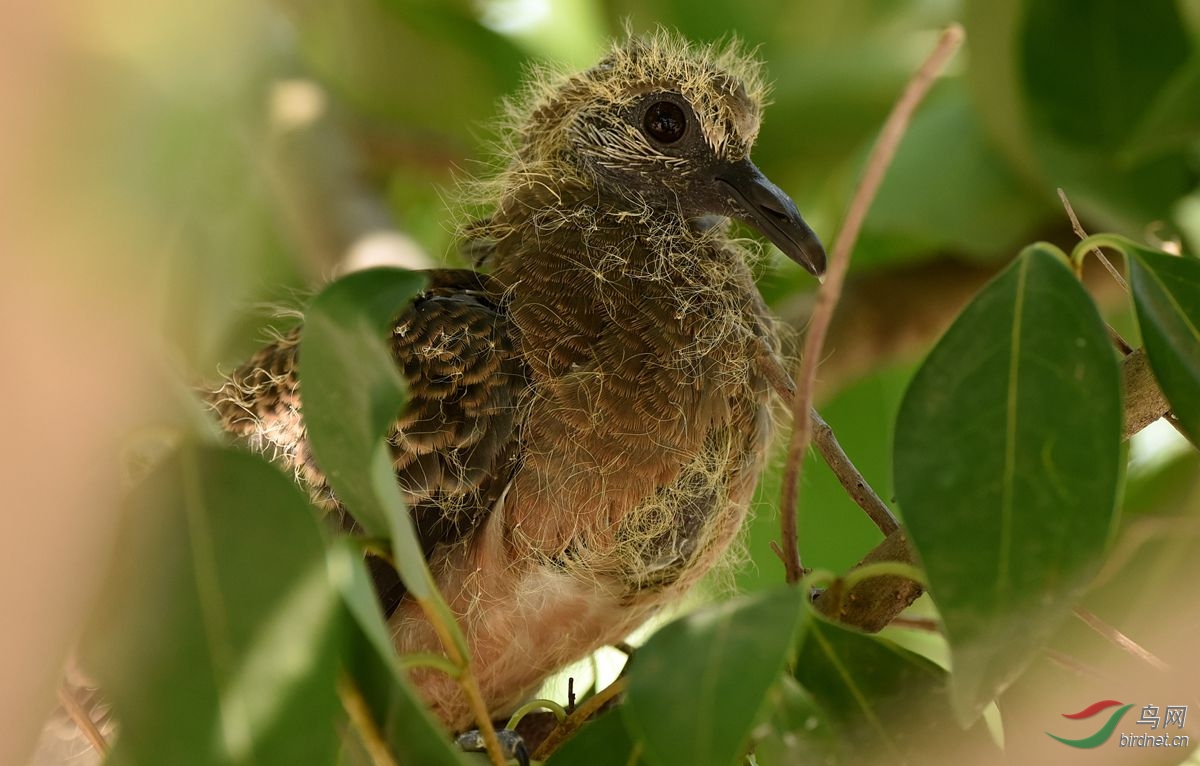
{"x": 756, "y": 201}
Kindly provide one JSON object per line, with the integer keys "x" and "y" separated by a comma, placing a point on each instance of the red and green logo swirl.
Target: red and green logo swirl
{"x": 1104, "y": 732}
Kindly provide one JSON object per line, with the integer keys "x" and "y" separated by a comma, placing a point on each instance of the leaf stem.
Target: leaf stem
{"x": 558, "y": 710}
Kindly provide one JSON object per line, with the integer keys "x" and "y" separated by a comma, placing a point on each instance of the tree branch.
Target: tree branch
{"x": 1144, "y": 400}
{"x": 827, "y": 299}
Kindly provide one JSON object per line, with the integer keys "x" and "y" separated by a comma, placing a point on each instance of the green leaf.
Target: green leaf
{"x": 946, "y": 141}
{"x": 404, "y": 721}
{"x": 603, "y": 742}
{"x": 1173, "y": 120}
{"x": 1116, "y": 59}
{"x": 696, "y": 687}
{"x": 352, "y": 394}
{"x": 1166, "y": 296}
{"x": 885, "y": 703}
{"x": 797, "y": 730}
{"x": 367, "y": 51}
{"x": 1007, "y": 461}
{"x": 1062, "y": 87}
{"x": 216, "y": 633}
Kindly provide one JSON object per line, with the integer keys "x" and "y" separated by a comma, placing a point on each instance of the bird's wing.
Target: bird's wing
{"x": 456, "y": 441}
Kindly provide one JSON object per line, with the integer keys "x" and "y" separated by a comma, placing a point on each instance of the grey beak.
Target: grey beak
{"x": 758, "y": 202}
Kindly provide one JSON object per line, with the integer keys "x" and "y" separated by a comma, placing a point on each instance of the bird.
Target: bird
{"x": 589, "y": 407}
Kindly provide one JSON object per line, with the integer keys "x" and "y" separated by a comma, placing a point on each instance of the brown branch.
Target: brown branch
{"x": 923, "y": 624}
{"x": 1144, "y": 400}
{"x": 849, "y": 476}
{"x": 872, "y": 604}
{"x": 588, "y": 708}
{"x": 827, "y": 298}
{"x": 466, "y": 677}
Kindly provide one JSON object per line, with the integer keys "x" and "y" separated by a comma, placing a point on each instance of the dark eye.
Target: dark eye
{"x": 665, "y": 122}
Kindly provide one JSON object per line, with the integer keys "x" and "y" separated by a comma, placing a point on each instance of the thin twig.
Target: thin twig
{"x": 1075, "y": 666}
{"x": 1082, "y": 234}
{"x": 778, "y": 552}
{"x": 1118, "y": 341}
{"x": 848, "y": 475}
{"x": 582, "y": 714}
{"x": 82, "y": 719}
{"x": 361, "y": 719}
{"x": 831, "y": 288}
{"x": 1120, "y": 640}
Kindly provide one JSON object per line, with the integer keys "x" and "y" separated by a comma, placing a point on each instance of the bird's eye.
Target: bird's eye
{"x": 665, "y": 122}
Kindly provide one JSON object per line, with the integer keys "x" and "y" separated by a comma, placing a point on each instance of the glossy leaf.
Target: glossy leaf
{"x": 1166, "y": 295}
{"x": 946, "y": 140}
{"x": 1085, "y": 73}
{"x": 797, "y": 729}
{"x": 364, "y": 49}
{"x": 602, "y": 742}
{"x": 1063, "y": 86}
{"x": 1173, "y": 120}
{"x": 1006, "y": 467}
{"x": 217, "y": 633}
{"x": 697, "y": 686}
{"x": 885, "y": 703}
{"x": 352, "y": 394}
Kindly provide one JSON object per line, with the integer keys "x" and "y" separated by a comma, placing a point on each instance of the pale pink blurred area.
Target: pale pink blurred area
{"x": 75, "y": 369}
{"x": 140, "y": 201}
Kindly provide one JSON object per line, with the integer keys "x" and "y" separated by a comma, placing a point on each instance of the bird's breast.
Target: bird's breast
{"x": 643, "y": 434}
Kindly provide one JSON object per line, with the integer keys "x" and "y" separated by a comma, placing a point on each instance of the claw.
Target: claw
{"x": 511, "y": 744}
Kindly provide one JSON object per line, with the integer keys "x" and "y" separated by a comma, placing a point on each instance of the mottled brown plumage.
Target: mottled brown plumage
{"x": 586, "y": 421}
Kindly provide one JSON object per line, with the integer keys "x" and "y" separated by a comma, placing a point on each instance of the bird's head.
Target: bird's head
{"x": 667, "y": 126}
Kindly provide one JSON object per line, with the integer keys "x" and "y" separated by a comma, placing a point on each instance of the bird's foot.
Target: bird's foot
{"x": 511, "y": 744}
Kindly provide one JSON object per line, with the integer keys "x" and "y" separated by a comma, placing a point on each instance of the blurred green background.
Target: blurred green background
{"x": 192, "y": 169}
